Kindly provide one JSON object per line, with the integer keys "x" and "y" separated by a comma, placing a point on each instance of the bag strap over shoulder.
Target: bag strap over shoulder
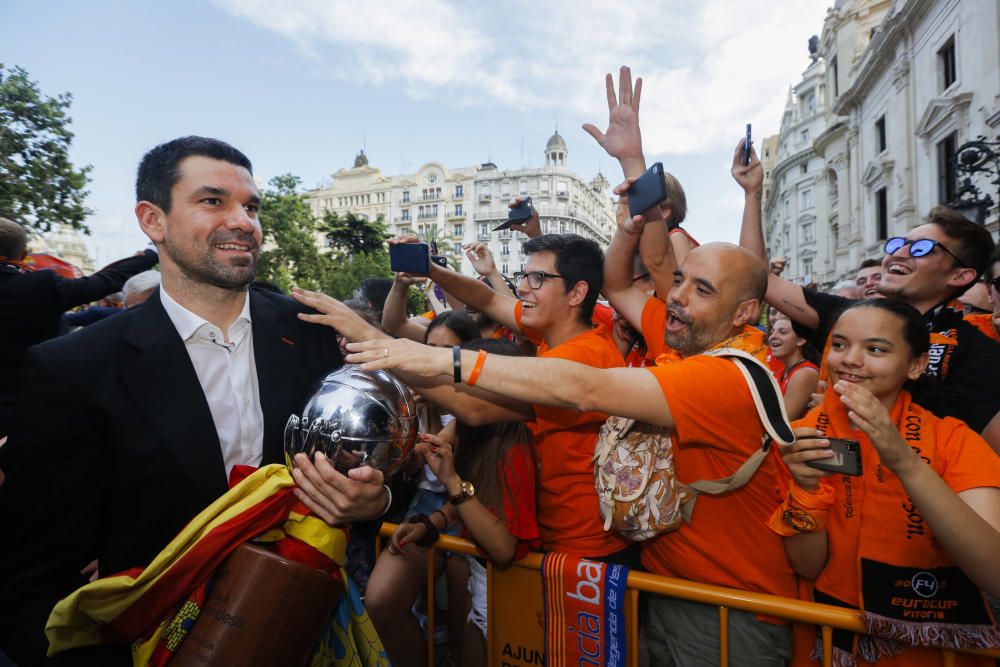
{"x": 766, "y": 394}
{"x": 771, "y": 411}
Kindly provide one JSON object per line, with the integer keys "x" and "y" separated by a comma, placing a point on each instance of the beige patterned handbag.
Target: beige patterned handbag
{"x": 634, "y": 462}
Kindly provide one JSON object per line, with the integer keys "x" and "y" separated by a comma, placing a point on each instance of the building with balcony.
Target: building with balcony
{"x": 462, "y": 205}
{"x": 898, "y": 86}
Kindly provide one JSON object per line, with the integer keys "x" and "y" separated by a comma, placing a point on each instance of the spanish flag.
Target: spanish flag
{"x": 152, "y": 608}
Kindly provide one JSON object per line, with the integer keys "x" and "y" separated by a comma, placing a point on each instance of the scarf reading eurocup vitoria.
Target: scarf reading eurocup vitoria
{"x": 911, "y": 594}
{"x": 155, "y": 607}
{"x": 584, "y": 611}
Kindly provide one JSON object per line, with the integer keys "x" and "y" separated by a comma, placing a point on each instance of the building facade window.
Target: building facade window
{"x": 459, "y": 190}
{"x": 882, "y": 212}
{"x": 406, "y": 196}
{"x": 807, "y": 199}
{"x": 834, "y": 76}
{"x": 807, "y": 232}
{"x": 947, "y": 176}
{"x": 880, "y": 141}
{"x": 505, "y": 249}
{"x": 458, "y": 209}
{"x": 807, "y": 267}
{"x": 457, "y": 230}
{"x": 456, "y": 249}
{"x": 406, "y": 214}
{"x": 947, "y": 70}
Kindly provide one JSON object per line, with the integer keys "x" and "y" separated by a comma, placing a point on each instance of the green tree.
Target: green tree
{"x": 353, "y": 235}
{"x": 290, "y": 254}
{"x": 358, "y": 250}
{"x": 39, "y": 186}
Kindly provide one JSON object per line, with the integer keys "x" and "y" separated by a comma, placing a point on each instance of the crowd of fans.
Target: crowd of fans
{"x": 514, "y": 377}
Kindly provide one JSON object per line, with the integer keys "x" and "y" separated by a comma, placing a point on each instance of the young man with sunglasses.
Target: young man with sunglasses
{"x": 927, "y": 268}
{"x": 554, "y": 307}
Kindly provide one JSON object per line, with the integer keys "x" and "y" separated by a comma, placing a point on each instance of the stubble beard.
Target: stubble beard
{"x": 694, "y": 340}
{"x": 208, "y": 271}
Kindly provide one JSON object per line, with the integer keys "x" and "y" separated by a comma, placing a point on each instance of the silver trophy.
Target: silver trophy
{"x": 356, "y": 418}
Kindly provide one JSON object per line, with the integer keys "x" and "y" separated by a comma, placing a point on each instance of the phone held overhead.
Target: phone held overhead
{"x": 647, "y": 191}
{"x": 517, "y": 215}
{"x": 746, "y": 147}
{"x": 410, "y": 258}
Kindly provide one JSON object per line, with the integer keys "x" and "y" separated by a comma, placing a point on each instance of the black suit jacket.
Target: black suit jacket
{"x": 31, "y": 305}
{"x": 114, "y": 449}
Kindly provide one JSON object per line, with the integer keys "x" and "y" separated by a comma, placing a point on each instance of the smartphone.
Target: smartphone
{"x": 517, "y": 215}
{"x": 440, "y": 260}
{"x": 647, "y": 191}
{"x": 846, "y": 457}
{"x": 410, "y": 258}
{"x": 746, "y": 148}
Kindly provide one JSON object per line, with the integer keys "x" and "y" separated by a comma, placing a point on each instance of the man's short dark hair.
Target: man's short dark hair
{"x": 159, "y": 169}
{"x": 577, "y": 259}
{"x": 13, "y": 240}
{"x": 869, "y": 263}
{"x": 375, "y": 291}
{"x": 973, "y": 244}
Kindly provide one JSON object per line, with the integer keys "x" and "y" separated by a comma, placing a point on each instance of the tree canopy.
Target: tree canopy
{"x": 291, "y": 255}
{"x": 39, "y": 186}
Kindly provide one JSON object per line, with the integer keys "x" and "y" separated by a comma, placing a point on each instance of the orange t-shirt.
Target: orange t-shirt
{"x": 569, "y": 517}
{"x": 716, "y": 429}
{"x": 984, "y": 322}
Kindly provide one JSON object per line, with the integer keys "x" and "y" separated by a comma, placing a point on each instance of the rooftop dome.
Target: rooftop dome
{"x": 556, "y": 141}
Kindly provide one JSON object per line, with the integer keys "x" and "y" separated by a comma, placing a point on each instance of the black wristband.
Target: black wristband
{"x": 432, "y": 534}
{"x": 456, "y": 352}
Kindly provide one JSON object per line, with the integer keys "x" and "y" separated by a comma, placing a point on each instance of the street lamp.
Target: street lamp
{"x": 973, "y": 157}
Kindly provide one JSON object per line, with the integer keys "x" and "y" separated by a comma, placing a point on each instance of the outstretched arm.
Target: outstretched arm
{"x": 783, "y": 294}
{"x": 623, "y": 141}
{"x": 629, "y": 392}
{"x": 499, "y": 306}
{"x": 334, "y": 314}
{"x": 618, "y": 261}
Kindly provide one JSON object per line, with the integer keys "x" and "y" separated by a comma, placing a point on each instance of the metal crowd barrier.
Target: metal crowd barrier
{"x": 827, "y": 617}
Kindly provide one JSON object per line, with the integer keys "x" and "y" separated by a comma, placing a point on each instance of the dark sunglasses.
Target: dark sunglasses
{"x": 918, "y": 247}
{"x": 995, "y": 282}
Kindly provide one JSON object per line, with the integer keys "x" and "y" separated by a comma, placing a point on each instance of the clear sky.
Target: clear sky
{"x": 301, "y": 85}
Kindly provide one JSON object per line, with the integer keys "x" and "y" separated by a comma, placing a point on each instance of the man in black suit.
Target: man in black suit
{"x": 130, "y": 427}
{"x": 32, "y": 303}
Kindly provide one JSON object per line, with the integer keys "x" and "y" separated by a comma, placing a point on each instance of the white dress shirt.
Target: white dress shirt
{"x": 228, "y": 376}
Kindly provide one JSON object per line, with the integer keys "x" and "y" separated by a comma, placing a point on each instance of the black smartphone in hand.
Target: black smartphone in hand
{"x": 647, "y": 191}
{"x": 517, "y": 215}
{"x": 746, "y": 147}
{"x": 846, "y": 457}
{"x": 410, "y": 258}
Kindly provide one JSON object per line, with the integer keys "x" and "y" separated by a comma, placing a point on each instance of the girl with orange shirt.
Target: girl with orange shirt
{"x": 912, "y": 540}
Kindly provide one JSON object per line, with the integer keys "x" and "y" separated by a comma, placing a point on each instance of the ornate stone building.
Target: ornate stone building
{"x": 898, "y": 86}
{"x": 463, "y": 205}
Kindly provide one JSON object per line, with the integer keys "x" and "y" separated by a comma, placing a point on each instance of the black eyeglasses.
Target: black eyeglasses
{"x": 995, "y": 282}
{"x": 535, "y": 278}
{"x": 918, "y": 247}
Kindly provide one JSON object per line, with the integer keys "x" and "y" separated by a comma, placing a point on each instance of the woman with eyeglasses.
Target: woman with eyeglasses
{"x": 901, "y": 518}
